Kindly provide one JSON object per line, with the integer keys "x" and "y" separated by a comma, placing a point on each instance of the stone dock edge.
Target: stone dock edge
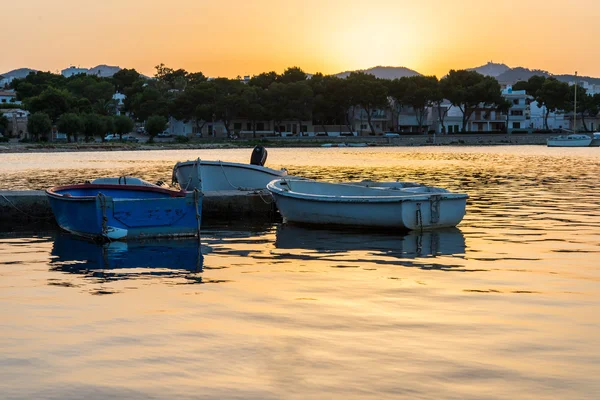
{"x": 26, "y": 207}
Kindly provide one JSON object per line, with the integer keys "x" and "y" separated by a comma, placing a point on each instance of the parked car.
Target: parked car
{"x": 392, "y": 134}
{"x": 111, "y": 137}
{"x": 164, "y": 134}
{"x": 140, "y": 130}
{"x": 131, "y": 138}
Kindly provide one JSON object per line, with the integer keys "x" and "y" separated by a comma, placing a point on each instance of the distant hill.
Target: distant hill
{"x": 520, "y": 74}
{"x": 104, "y": 71}
{"x": 383, "y": 72}
{"x": 491, "y": 69}
{"x": 18, "y": 73}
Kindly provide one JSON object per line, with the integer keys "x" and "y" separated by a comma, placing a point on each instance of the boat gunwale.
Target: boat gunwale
{"x": 140, "y": 188}
{"x": 276, "y": 190}
{"x": 267, "y": 170}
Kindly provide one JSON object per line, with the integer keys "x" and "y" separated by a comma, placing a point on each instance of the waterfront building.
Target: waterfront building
{"x": 8, "y": 97}
{"x": 17, "y": 122}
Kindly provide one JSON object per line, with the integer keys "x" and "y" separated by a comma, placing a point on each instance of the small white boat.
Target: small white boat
{"x": 221, "y": 175}
{"x": 573, "y": 140}
{"x": 320, "y": 203}
{"x": 595, "y": 140}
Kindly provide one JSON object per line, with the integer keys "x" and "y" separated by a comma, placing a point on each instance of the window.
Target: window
{"x": 449, "y": 128}
{"x": 304, "y": 128}
{"x": 456, "y": 128}
{"x": 4, "y": 100}
{"x": 516, "y": 112}
{"x": 516, "y": 125}
{"x": 260, "y": 126}
{"x": 249, "y": 126}
{"x": 516, "y": 101}
{"x": 363, "y": 126}
{"x": 237, "y": 126}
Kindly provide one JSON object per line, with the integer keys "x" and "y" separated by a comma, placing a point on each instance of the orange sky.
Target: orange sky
{"x": 234, "y": 37}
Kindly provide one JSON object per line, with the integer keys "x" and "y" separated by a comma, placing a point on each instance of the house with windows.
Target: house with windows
{"x": 17, "y": 122}
{"x": 8, "y": 97}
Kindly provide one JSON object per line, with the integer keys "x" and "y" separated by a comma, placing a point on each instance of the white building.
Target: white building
{"x": 8, "y": 97}
{"x": 120, "y": 99}
{"x": 589, "y": 87}
{"x": 68, "y": 72}
{"x": 556, "y": 120}
{"x": 519, "y": 113}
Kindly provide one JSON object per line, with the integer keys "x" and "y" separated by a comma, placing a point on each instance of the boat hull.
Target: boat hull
{"x": 219, "y": 175}
{"x": 570, "y": 141}
{"x": 403, "y": 212}
{"x": 113, "y": 212}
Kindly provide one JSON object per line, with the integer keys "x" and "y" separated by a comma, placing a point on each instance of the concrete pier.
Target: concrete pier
{"x": 24, "y": 207}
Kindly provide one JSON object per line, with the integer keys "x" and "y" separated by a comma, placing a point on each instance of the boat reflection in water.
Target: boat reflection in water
{"x": 413, "y": 244}
{"x": 127, "y": 260}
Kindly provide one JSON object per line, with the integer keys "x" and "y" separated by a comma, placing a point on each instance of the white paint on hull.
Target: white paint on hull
{"x": 221, "y": 175}
{"x": 321, "y": 203}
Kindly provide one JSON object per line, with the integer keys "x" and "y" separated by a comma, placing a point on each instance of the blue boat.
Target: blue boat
{"x": 125, "y": 212}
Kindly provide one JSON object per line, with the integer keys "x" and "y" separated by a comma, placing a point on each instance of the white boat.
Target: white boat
{"x": 573, "y": 140}
{"x": 320, "y": 203}
{"x": 595, "y": 140}
{"x": 221, "y": 175}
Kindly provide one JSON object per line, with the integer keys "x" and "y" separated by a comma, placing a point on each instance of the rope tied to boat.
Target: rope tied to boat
{"x": 197, "y": 195}
{"x": 435, "y": 201}
{"x": 21, "y": 211}
{"x": 419, "y": 217}
{"x": 229, "y": 182}
{"x": 102, "y": 201}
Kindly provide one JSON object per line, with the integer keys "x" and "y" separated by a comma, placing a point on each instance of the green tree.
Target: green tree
{"x": 397, "y": 90}
{"x": 150, "y": 101}
{"x": 420, "y": 95}
{"x": 93, "y": 125}
{"x": 155, "y": 125}
{"x": 253, "y": 100}
{"x": 587, "y": 105}
{"x": 469, "y": 90}
{"x": 504, "y": 107}
{"x": 298, "y": 98}
{"x": 553, "y": 95}
{"x": 168, "y": 78}
{"x": 196, "y": 103}
{"x": 123, "y": 125}
{"x": 3, "y": 123}
{"x": 228, "y": 101}
{"x": 124, "y": 79}
{"x": 39, "y": 125}
{"x": 368, "y": 93}
{"x": 531, "y": 86}
{"x": 53, "y": 102}
{"x": 35, "y": 83}
{"x": 108, "y": 125}
{"x": 292, "y": 75}
{"x": 71, "y": 124}
{"x": 263, "y": 80}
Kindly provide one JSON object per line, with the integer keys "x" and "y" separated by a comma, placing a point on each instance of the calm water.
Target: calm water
{"x": 506, "y": 306}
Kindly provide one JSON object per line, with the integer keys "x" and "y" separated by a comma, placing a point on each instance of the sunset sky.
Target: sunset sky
{"x": 235, "y": 37}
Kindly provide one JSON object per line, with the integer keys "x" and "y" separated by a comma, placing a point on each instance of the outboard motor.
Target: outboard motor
{"x": 259, "y": 156}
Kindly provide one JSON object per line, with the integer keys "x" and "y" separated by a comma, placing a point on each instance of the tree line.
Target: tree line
{"x": 555, "y": 95}
{"x": 84, "y": 104}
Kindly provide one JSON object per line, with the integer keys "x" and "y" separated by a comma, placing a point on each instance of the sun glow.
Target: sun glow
{"x": 235, "y": 37}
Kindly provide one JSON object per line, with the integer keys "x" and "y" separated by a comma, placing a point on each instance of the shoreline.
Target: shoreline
{"x": 378, "y": 141}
